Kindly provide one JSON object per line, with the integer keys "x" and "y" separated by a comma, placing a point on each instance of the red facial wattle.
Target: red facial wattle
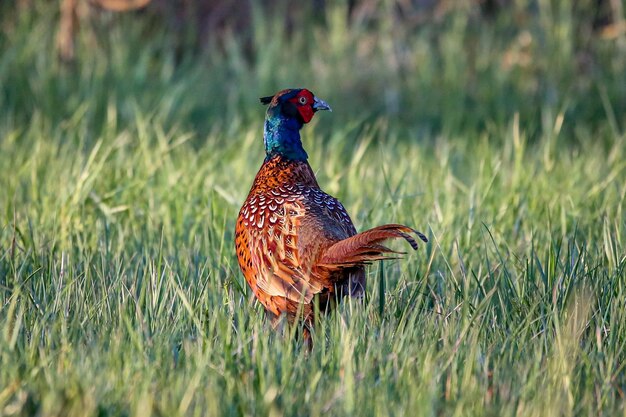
{"x": 304, "y": 103}
{"x": 306, "y": 112}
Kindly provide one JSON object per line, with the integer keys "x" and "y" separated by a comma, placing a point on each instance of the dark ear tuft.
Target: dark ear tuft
{"x": 266, "y": 100}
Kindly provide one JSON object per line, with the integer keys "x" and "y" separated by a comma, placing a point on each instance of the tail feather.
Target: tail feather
{"x": 365, "y": 247}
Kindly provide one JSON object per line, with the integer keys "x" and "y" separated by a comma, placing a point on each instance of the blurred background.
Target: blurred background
{"x": 430, "y": 66}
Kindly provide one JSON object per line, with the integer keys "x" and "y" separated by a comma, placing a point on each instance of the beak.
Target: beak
{"x": 319, "y": 104}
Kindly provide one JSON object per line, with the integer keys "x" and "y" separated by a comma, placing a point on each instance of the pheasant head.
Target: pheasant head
{"x": 288, "y": 111}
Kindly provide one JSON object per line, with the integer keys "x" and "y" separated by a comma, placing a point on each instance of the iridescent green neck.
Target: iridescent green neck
{"x": 282, "y": 136}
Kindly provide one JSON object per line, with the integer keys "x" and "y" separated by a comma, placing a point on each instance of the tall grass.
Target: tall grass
{"x": 122, "y": 177}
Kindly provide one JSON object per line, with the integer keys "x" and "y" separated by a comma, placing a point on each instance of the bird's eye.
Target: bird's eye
{"x": 302, "y": 100}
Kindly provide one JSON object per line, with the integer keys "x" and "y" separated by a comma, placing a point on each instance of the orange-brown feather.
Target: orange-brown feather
{"x": 364, "y": 248}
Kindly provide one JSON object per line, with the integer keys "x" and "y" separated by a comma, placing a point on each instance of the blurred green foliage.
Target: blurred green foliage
{"x": 455, "y": 70}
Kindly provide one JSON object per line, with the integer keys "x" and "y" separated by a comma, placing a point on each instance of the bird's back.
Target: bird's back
{"x": 283, "y": 228}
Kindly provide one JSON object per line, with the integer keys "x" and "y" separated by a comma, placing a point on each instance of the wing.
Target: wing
{"x": 282, "y": 234}
{"x": 269, "y": 225}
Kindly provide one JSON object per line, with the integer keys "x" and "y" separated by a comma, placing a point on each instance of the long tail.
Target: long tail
{"x": 365, "y": 247}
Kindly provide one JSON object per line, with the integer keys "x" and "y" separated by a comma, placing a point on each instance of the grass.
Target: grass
{"x": 123, "y": 175}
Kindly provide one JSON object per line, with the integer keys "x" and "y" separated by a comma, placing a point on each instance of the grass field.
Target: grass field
{"x": 122, "y": 175}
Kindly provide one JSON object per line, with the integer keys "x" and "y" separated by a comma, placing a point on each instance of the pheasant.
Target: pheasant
{"x": 294, "y": 242}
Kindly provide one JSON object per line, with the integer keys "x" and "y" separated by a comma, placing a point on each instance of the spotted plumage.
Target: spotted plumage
{"x": 294, "y": 242}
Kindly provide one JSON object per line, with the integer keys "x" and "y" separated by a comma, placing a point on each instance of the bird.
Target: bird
{"x": 296, "y": 245}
